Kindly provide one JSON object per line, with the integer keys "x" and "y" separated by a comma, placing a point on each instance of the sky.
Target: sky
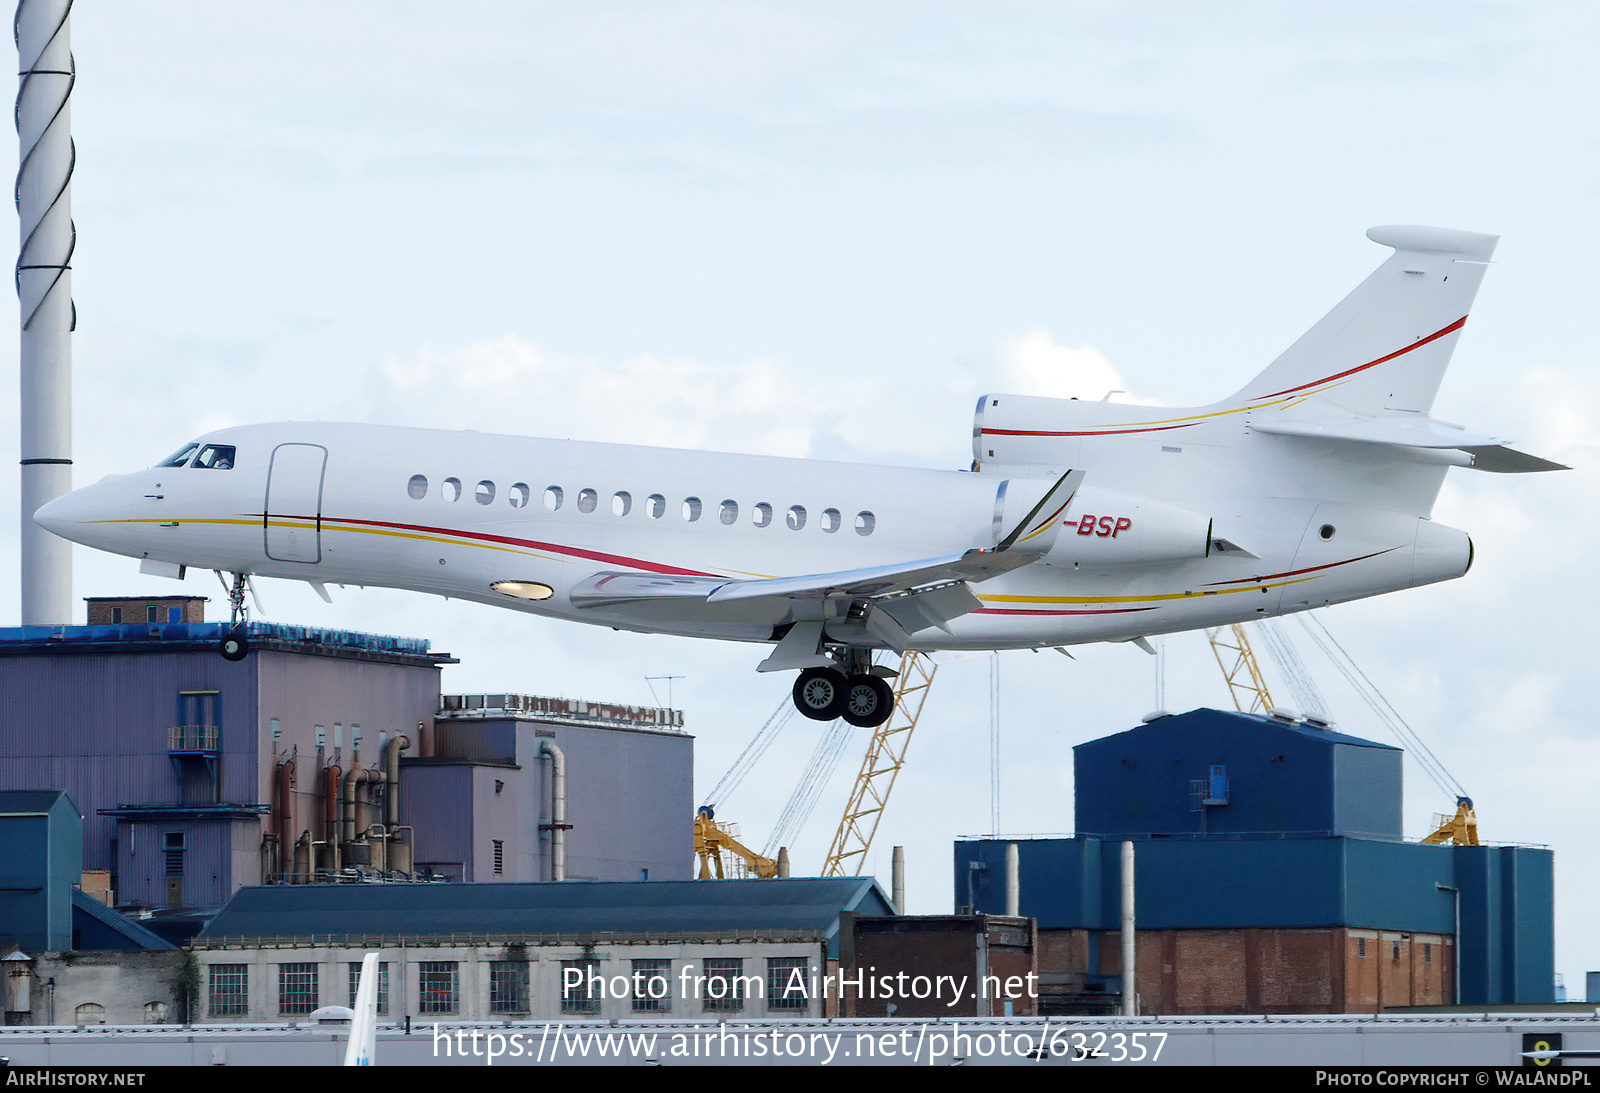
{"x": 823, "y": 229}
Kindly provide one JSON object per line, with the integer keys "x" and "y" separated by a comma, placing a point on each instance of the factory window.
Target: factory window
{"x": 180, "y": 457}
{"x": 552, "y": 497}
{"x": 724, "y": 988}
{"x": 451, "y": 489}
{"x": 116, "y": 616}
{"x": 652, "y": 986}
{"x": 1361, "y": 946}
{"x": 1427, "y": 953}
{"x": 579, "y": 994}
{"x": 797, "y": 517}
{"x": 587, "y": 500}
{"x": 761, "y": 515}
{"x": 277, "y": 729}
{"x": 621, "y": 503}
{"x": 89, "y": 1013}
{"x": 728, "y": 512}
{"x": 656, "y": 506}
{"x": 438, "y": 986}
{"x": 485, "y": 493}
{"x": 229, "y": 990}
{"x": 518, "y": 495}
{"x": 172, "y": 847}
{"x": 1396, "y": 950}
{"x": 691, "y": 509}
{"x": 417, "y": 487}
{"x": 215, "y": 457}
{"x": 787, "y": 984}
{"x": 152, "y": 613}
{"x": 499, "y": 856}
{"x": 831, "y": 520}
{"x": 297, "y": 988}
{"x": 383, "y": 984}
{"x": 155, "y": 1013}
{"x": 865, "y": 522}
{"x": 508, "y": 986}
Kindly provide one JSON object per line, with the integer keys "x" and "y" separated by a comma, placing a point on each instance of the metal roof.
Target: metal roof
{"x": 120, "y": 924}
{"x": 569, "y": 907}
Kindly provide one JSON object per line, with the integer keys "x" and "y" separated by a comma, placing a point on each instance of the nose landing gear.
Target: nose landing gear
{"x": 862, "y": 698}
{"x": 235, "y": 644}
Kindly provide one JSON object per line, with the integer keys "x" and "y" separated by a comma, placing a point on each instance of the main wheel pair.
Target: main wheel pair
{"x": 863, "y": 700}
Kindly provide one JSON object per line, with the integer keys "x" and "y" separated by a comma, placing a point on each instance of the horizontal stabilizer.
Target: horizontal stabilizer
{"x": 1503, "y": 460}
{"x": 1411, "y": 431}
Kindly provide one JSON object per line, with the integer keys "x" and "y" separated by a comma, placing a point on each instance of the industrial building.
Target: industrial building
{"x": 1271, "y": 878}
{"x": 657, "y": 949}
{"x": 323, "y": 755}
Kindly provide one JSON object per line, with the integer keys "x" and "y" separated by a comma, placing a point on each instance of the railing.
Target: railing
{"x": 202, "y": 738}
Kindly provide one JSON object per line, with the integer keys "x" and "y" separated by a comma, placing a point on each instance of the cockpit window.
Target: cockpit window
{"x": 216, "y": 457}
{"x": 179, "y": 457}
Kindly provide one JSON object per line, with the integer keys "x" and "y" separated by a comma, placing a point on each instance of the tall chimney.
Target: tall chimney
{"x": 44, "y": 290}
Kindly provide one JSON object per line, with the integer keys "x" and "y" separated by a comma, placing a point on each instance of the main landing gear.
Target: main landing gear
{"x": 862, "y": 698}
{"x": 235, "y": 645}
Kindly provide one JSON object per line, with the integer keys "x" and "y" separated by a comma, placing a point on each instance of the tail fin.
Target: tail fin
{"x": 363, "y": 1045}
{"x": 1387, "y": 344}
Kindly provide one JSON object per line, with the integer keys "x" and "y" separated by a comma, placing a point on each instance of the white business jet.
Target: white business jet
{"x": 1078, "y": 521}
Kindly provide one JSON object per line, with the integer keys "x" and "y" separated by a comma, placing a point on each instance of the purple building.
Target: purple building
{"x": 318, "y": 757}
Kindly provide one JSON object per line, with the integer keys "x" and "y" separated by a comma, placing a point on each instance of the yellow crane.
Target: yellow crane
{"x": 712, "y": 838}
{"x": 886, "y": 754}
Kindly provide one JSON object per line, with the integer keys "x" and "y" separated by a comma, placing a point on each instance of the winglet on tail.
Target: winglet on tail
{"x": 1387, "y": 344}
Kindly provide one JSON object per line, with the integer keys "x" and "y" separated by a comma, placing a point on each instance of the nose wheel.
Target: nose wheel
{"x": 862, "y": 699}
{"x": 235, "y": 645}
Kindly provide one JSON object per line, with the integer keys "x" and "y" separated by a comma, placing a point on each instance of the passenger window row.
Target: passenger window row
{"x": 762, "y": 514}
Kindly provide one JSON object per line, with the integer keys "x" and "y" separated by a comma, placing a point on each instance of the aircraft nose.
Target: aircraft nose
{"x": 77, "y": 515}
{"x": 61, "y": 516}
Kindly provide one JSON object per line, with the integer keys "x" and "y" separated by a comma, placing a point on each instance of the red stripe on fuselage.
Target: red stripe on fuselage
{"x": 555, "y": 548}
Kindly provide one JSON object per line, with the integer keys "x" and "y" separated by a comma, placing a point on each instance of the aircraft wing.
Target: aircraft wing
{"x": 913, "y": 595}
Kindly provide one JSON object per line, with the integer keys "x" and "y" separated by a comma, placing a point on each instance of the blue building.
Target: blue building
{"x": 1271, "y": 877}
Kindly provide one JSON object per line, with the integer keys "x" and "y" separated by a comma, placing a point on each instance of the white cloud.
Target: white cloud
{"x": 1036, "y": 364}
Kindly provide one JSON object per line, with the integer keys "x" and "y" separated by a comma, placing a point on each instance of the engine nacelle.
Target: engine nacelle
{"x": 1108, "y": 527}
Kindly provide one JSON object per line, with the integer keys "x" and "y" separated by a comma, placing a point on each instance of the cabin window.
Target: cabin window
{"x": 417, "y": 487}
{"x": 485, "y": 492}
{"x": 451, "y": 489}
{"x": 656, "y": 506}
{"x": 691, "y": 509}
{"x": 761, "y": 515}
{"x": 215, "y": 457}
{"x": 728, "y": 512}
{"x": 552, "y": 497}
{"x": 831, "y": 520}
{"x": 518, "y": 495}
{"x": 180, "y": 457}
{"x": 796, "y": 517}
{"x": 865, "y": 522}
{"x": 621, "y": 503}
{"x": 587, "y": 499}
